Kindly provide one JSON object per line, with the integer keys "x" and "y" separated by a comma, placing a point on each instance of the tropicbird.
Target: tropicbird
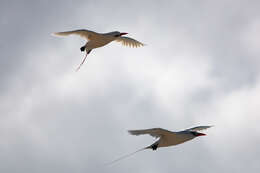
{"x": 166, "y": 138}
{"x": 96, "y": 40}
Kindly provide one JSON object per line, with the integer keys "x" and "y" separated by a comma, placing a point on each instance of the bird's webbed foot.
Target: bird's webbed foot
{"x": 82, "y": 48}
{"x": 154, "y": 146}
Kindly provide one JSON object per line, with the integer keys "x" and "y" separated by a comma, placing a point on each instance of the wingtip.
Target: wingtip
{"x": 207, "y": 127}
{"x": 138, "y": 45}
{"x": 54, "y": 34}
{"x": 57, "y": 34}
{"x": 210, "y": 126}
{"x": 131, "y": 132}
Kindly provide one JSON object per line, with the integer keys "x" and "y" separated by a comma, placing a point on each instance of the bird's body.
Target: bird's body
{"x": 174, "y": 138}
{"x": 96, "y": 40}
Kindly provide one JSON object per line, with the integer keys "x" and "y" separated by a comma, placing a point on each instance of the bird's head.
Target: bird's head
{"x": 196, "y": 134}
{"x": 118, "y": 34}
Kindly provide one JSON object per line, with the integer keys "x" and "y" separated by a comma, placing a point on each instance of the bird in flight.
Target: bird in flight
{"x": 166, "y": 138}
{"x": 96, "y": 40}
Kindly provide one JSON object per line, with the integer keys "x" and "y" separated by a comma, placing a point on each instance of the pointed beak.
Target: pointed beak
{"x": 123, "y": 33}
{"x": 201, "y": 134}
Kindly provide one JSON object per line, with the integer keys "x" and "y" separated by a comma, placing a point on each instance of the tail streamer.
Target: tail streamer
{"x": 125, "y": 156}
{"x": 82, "y": 62}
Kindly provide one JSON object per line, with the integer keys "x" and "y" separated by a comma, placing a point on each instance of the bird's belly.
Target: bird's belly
{"x": 97, "y": 43}
{"x": 101, "y": 44}
{"x": 172, "y": 141}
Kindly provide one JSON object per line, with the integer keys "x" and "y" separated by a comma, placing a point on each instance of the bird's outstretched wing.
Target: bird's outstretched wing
{"x": 198, "y": 128}
{"x": 81, "y": 32}
{"x": 127, "y": 41}
{"x": 155, "y": 132}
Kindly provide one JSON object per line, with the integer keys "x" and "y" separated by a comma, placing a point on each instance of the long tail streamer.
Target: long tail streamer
{"x": 125, "y": 156}
{"x": 82, "y": 62}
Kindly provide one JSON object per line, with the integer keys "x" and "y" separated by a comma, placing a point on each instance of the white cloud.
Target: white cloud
{"x": 193, "y": 71}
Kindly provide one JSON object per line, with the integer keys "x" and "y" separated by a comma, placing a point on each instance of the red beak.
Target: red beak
{"x": 201, "y": 134}
{"x": 123, "y": 33}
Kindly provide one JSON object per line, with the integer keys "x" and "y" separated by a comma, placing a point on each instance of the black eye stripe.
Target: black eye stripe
{"x": 194, "y": 133}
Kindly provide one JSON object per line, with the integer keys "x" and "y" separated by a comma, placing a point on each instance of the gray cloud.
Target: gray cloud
{"x": 200, "y": 67}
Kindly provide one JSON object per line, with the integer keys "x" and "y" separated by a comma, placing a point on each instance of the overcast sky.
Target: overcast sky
{"x": 200, "y": 66}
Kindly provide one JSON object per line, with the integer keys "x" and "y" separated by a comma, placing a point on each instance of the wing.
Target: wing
{"x": 82, "y": 32}
{"x": 155, "y": 132}
{"x": 198, "y": 128}
{"x": 127, "y": 41}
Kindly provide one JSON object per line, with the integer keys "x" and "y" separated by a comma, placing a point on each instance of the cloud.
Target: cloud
{"x": 200, "y": 67}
